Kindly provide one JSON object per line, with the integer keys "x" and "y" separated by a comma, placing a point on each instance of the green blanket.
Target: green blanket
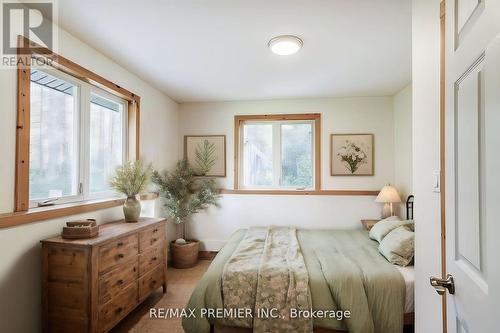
{"x": 345, "y": 272}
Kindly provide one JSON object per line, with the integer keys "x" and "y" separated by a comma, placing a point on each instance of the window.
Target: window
{"x": 54, "y": 138}
{"x": 77, "y": 138}
{"x": 107, "y": 141}
{"x": 59, "y": 105}
{"x": 277, "y": 152}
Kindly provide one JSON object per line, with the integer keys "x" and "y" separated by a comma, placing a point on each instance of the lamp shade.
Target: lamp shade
{"x": 388, "y": 194}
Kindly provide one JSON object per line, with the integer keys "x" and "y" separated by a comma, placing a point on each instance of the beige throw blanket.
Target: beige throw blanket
{"x": 267, "y": 275}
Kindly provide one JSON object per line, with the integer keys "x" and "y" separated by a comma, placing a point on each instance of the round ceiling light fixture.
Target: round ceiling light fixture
{"x": 285, "y": 44}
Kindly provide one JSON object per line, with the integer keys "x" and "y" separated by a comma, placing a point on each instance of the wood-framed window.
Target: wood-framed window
{"x": 73, "y": 128}
{"x": 279, "y": 152}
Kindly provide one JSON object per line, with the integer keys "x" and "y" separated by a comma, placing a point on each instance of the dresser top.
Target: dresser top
{"x": 107, "y": 232}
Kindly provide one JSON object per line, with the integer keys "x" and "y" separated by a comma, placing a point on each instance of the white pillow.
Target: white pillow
{"x": 398, "y": 246}
{"x": 383, "y": 227}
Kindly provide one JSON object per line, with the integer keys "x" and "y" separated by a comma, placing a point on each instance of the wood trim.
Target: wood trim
{"x": 52, "y": 212}
{"x": 134, "y": 129}
{"x": 21, "y": 191}
{"x": 236, "y": 143}
{"x": 293, "y": 192}
{"x": 289, "y": 116}
{"x": 442, "y": 150}
{"x": 45, "y": 213}
{"x": 27, "y": 50}
{"x": 317, "y": 152}
{"x": 316, "y": 117}
{"x": 73, "y": 69}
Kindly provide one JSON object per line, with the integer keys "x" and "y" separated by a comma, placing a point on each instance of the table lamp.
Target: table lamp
{"x": 388, "y": 195}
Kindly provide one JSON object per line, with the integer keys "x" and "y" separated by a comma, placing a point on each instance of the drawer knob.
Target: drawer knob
{"x": 119, "y": 282}
{"x": 119, "y": 310}
{"x": 154, "y": 259}
{"x": 120, "y": 244}
{"x": 153, "y": 283}
{"x": 153, "y": 240}
{"x": 155, "y": 230}
{"x": 120, "y": 255}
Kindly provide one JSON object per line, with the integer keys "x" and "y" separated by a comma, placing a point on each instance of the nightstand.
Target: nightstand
{"x": 369, "y": 223}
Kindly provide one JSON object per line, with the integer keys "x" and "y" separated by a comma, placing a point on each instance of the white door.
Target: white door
{"x": 472, "y": 147}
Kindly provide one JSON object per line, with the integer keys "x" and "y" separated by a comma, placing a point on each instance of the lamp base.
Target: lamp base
{"x": 386, "y": 210}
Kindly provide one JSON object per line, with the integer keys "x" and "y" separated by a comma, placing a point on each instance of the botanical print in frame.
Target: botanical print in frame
{"x": 206, "y": 154}
{"x": 352, "y": 154}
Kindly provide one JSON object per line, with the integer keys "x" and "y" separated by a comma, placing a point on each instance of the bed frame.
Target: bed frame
{"x": 409, "y": 320}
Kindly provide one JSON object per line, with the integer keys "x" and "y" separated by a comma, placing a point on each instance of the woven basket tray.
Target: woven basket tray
{"x": 80, "y": 229}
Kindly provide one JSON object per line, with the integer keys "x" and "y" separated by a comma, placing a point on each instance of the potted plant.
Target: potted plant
{"x": 185, "y": 194}
{"x": 130, "y": 179}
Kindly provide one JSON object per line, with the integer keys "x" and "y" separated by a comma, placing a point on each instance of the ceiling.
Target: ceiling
{"x": 200, "y": 50}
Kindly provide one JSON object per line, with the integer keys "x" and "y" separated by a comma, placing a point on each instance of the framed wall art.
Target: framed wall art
{"x": 352, "y": 154}
{"x": 206, "y": 154}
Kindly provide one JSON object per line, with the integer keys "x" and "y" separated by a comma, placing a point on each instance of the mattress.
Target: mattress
{"x": 408, "y": 274}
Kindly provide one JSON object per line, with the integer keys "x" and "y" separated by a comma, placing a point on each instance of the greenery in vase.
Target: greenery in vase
{"x": 204, "y": 157}
{"x": 352, "y": 155}
{"x": 184, "y": 194}
{"x": 131, "y": 178}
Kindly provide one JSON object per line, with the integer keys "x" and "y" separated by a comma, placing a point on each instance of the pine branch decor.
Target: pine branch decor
{"x": 184, "y": 194}
{"x": 205, "y": 157}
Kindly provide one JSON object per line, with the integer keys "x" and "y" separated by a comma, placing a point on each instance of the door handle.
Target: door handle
{"x": 441, "y": 285}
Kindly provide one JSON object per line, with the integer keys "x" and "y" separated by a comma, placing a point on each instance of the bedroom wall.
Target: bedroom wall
{"x": 20, "y": 264}
{"x": 339, "y": 115}
{"x": 426, "y": 43}
{"x": 403, "y": 145}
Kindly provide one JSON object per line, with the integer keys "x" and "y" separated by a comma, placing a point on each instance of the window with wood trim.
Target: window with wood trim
{"x": 73, "y": 128}
{"x": 277, "y": 152}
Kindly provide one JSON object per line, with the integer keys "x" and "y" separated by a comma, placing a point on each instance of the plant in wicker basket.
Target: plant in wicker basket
{"x": 185, "y": 194}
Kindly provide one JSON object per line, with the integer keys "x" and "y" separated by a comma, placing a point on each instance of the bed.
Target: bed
{"x": 333, "y": 260}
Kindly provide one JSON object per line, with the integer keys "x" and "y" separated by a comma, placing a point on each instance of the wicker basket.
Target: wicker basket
{"x": 80, "y": 229}
{"x": 185, "y": 255}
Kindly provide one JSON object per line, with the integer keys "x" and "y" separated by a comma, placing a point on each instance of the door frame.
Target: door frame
{"x": 442, "y": 150}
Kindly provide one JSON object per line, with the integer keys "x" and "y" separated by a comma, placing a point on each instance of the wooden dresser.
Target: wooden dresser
{"x": 89, "y": 285}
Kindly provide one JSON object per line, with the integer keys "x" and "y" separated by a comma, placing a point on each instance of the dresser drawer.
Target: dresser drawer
{"x": 117, "y": 308}
{"x": 151, "y": 236}
{"x": 113, "y": 282}
{"x": 117, "y": 252}
{"x": 151, "y": 258}
{"x": 150, "y": 282}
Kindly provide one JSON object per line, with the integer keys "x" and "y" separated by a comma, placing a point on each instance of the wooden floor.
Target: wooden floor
{"x": 181, "y": 283}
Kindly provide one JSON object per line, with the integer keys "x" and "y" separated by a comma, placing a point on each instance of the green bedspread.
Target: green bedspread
{"x": 345, "y": 272}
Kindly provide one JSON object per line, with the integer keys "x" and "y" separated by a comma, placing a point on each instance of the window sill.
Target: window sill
{"x": 51, "y": 212}
{"x": 303, "y": 192}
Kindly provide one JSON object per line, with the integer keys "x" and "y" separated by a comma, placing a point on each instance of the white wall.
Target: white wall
{"x": 403, "y": 145}
{"x": 425, "y": 160}
{"x": 20, "y": 264}
{"x": 339, "y": 115}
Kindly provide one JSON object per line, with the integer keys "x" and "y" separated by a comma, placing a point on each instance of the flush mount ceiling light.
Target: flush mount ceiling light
{"x": 285, "y": 44}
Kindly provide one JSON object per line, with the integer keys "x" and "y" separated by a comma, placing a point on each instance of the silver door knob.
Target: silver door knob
{"x": 441, "y": 285}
